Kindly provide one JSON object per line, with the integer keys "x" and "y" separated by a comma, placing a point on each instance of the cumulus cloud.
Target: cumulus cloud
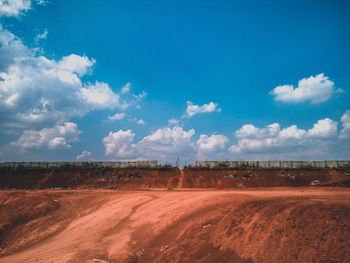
{"x": 163, "y": 144}
{"x": 274, "y": 140}
{"x": 84, "y": 156}
{"x": 117, "y": 117}
{"x": 14, "y": 7}
{"x": 315, "y": 89}
{"x": 79, "y": 65}
{"x": 211, "y": 147}
{"x": 120, "y": 144}
{"x": 141, "y": 122}
{"x": 345, "y": 119}
{"x": 193, "y": 109}
{"x": 292, "y": 132}
{"x": 324, "y": 129}
{"x": 250, "y": 131}
{"x": 57, "y": 137}
{"x": 168, "y": 143}
{"x": 11, "y": 49}
{"x": 37, "y": 92}
{"x": 100, "y": 95}
{"x": 137, "y": 121}
{"x": 254, "y": 143}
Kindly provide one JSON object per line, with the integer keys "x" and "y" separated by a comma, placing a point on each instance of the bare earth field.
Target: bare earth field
{"x": 270, "y": 225}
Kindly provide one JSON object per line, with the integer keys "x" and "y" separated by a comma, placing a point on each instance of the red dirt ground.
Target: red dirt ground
{"x": 250, "y": 225}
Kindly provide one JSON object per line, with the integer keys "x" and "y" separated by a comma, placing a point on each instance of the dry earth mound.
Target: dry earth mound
{"x": 271, "y": 225}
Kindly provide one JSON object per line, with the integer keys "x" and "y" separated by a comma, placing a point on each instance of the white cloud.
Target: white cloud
{"x": 120, "y": 116}
{"x": 11, "y": 49}
{"x": 141, "y": 96}
{"x": 193, "y": 109}
{"x": 84, "y": 156}
{"x": 11, "y": 101}
{"x": 117, "y": 117}
{"x": 290, "y": 141}
{"x": 13, "y": 7}
{"x": 292, "y": 132}
{"x": 212, "y": 142}
{"x": 163, "y": 144}
{"x": 138, "y": 121}
{"x": 119, "y": 144}
{"x": 57, "y": 137}
{"x": 253, "y": 143}
{"x": 76, "y": 64}
{"x": 58, "y": 143}
{"x": 37, "y": 92}
{"x": 101, "y": 96}
{"x": 141, "y": 122}
{"x": 345, "y": 119}
{"x": 126, "y": 88}
{"x": 174, "y": 122}
{"x": 211, "y": 147}
{"x": 41, "y": 36}
{"x": 42, "y": 2}
{"x": 315, "y": 89}
{"x": 324, "y": 129}
{"x": 167, "y": 143}
{"x": 250, "y": 131}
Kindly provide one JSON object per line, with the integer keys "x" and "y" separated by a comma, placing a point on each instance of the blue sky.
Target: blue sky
{"x": 125, "y": 80}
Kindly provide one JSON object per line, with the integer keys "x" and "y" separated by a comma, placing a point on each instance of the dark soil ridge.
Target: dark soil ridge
{"x": 172, "y": 178}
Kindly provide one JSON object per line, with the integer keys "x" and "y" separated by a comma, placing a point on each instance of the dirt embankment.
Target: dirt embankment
{"x": 273, "y": 225}
{"x": 133, "y": 179}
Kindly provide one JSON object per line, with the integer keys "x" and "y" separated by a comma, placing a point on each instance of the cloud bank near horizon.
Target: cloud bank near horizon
{"x": 253, "y": 143}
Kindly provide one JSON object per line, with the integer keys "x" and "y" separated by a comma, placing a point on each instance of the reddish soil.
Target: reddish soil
{"x": 134, "y": 179}
{"x": 250, "y": 225}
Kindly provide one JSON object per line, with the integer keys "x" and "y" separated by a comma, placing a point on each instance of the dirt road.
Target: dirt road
{"x": 270, "y": 225}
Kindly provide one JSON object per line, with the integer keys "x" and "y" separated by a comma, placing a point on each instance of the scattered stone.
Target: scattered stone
{"x": 164, "y": 248}
{"x": 231, "y": 176}
{"x": 206, "y": 226}
{"x": 315, "y": 182}
{"x": 140, "y": 253}
{"x": 102, "y": 260}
